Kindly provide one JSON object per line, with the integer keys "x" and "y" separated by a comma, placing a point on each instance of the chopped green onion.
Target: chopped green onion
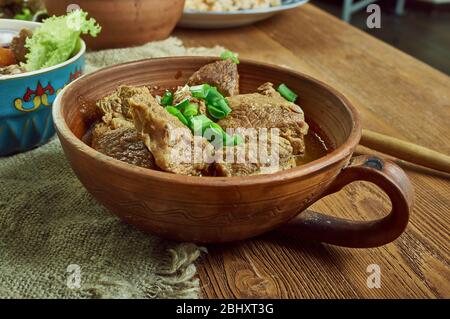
{"x": 201, "y": 122}
{"x": 180, "y": 106}
{"x": 229, "y": 55}
{"x": 175, "y": 112}
{"x": 217, "y": 130}
{"x": 227, "y": 139}
{"x": 190, "y": 110}
{"x": 215, "y": 112}
{"x": 172, "y": 110}
{"x": 287, "y": 93}
{"x": 213, "y": 95}
{"x": 232, "y": 140}
{"x": 200, "y": 91}
{"x": 223, "y": 106}
{"x": 217, "y": 104}
{"x": 167, "y": 98}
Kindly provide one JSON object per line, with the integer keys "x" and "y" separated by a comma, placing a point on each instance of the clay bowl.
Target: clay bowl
{"x": 126, "y": 22}
{"x": 211, "y": 209}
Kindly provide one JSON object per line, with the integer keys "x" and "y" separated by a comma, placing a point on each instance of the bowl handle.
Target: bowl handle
{"x": 361, "y": 234}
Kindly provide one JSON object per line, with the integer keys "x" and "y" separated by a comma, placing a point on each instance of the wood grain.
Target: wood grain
{"x": 407, "y": 151}
{"x": 396, "y": 95}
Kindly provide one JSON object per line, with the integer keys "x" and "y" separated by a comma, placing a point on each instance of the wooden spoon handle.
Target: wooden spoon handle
{"x": 406, "y": 151}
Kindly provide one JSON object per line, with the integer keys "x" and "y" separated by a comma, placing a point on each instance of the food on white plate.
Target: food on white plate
{"x": 230, "y": 5}
{"x": 20, "y": 9}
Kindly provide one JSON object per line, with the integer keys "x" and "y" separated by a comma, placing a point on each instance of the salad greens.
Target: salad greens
{"x": 58, "y": 39}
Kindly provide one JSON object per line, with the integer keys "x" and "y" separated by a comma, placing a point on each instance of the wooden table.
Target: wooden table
{"x": 396, "y": 95}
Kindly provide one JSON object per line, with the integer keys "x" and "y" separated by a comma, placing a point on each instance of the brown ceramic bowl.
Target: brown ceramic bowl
{"x": 213, "y": 209}
{"x": 126, "y": 22}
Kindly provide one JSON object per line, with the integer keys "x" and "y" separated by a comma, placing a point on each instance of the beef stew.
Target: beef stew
{"x": 214, "y": 123}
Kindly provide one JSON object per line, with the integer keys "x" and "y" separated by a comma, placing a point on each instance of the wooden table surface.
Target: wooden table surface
{"x": 396, "y": 95}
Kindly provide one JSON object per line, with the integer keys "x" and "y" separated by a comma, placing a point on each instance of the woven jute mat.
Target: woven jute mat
{"x": 56, "y": 241}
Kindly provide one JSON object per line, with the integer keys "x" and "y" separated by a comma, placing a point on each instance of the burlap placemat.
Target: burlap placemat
{"x": 56, "y": 241}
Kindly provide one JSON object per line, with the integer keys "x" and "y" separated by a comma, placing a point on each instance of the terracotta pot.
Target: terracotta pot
{"x": 212, "y": 209}
{"x": 126, "y": 22}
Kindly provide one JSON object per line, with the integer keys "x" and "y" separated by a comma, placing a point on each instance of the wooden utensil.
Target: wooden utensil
{"x": 407, "y": 151}
{"x": 216, "y": 209}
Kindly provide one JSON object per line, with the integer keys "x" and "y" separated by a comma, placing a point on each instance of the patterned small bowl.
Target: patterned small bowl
{"x": 26, "y": 99}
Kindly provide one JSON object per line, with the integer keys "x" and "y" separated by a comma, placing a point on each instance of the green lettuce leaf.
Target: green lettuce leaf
{"x": 58, "y": 39}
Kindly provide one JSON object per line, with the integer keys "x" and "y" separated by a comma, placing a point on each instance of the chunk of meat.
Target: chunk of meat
{"x": 267, "y": 89}
{"x": 278, "y": 157}
{"x": 116, "y": 109}
{"x": 123, "y": 144}
{"x": 18, "y": 45}
{"x": 116, "y": 135}
{"x": 221, "y": 74}
{"x": 268, "y": 109}
{"x": 172, "y": 144}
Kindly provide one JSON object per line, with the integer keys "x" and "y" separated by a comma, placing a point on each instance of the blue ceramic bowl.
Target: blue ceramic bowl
{"x": 26, "y": 99}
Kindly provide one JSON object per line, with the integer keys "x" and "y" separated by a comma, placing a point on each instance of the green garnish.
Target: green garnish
{"x": 217, "y": 104}
{"x": 223, "y": 105}
{"x": 200, "y": 91}
{"x": 200, "y": 123}
{"x": 215, "y": 112}
{"x": 213, "y": 95}
{"x": 25, "y": 15}
{"x": 58, "y": 39}
{"x": 167, "y": 98}
{"x": 190, "y": 110}
{"x": 229, "y": 55}
{"x": 180, "y": 106}
{"x": 187, "y": 112}
{"x": 287, "y": 93}
{"x": 217, "y": 131}
{"x": 175, "y": 112}
{"x": 226, "y": 138}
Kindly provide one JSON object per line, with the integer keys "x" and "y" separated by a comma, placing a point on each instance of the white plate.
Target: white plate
{"x": 230, "y": 19}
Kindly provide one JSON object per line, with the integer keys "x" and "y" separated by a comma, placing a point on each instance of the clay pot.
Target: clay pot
{"x": 217, "y": 209}
{"x": 126, "y": 22}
